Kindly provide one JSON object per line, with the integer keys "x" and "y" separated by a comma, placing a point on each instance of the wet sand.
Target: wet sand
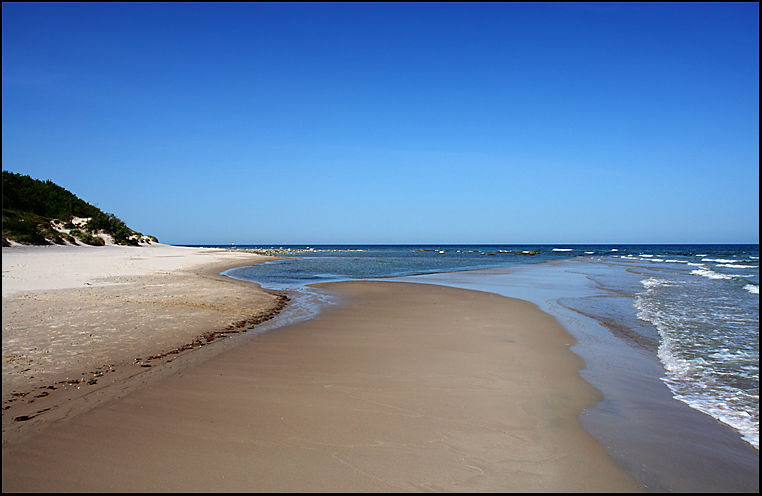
{"x": 401, "y": 387}
{"x": 665, "y": 444}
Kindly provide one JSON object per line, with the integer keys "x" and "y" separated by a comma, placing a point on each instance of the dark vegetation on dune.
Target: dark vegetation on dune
{"x": 41, "y": 212}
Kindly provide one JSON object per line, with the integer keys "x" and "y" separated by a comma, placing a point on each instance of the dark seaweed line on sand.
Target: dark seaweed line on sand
{"x": 236, "y": 328}
{"x": 203, "y": 340}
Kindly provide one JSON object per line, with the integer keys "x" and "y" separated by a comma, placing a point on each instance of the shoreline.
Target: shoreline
{"x": 663, "y": 442}
{"x": 401, "y": 387}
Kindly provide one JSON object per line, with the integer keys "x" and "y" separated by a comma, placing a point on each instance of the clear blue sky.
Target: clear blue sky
{"x": 393, "y": 123}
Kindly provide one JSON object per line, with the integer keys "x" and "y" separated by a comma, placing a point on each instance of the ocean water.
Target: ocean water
{"x": 695, "y": 307}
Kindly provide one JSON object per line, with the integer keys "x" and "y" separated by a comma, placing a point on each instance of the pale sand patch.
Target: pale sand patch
{"x": 35, "y": 268}
{"x": 404, "y": 387}
{"x": 70, "y": 312}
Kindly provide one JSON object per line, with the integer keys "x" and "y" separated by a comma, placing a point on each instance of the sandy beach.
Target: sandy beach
{"x": 74, "y": 315}
{"x": 400, "y": 387}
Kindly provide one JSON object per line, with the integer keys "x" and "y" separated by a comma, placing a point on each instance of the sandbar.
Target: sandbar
{"x": 400, "y": 387}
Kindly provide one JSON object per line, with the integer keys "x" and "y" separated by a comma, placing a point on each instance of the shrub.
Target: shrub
{"x": 87, "y": 238}
{"x": 23, "y": 230}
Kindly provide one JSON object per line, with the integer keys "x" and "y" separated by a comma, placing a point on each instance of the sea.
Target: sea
{"x": 692, "y": 309}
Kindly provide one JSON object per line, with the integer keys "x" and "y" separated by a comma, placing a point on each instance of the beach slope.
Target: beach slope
{"x": 400, "y": 387}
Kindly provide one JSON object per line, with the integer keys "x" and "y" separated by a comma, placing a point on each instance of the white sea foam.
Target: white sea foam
{"x": 654, "y": 282}
{"x": 719, "y": 260}
{"x": 738, "y": 266}
{"x": 710, "y": 274}
{"x": 738, "y": 419}
{"x": 691, "y": 380}
{"x": 650, "y": 283}
{"x": 562, "y": 249}
{"x": 647, "y": 258}
{"x": 752, "y": 288}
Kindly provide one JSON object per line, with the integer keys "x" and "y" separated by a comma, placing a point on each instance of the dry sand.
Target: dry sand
{"x": 402, "y": 387}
